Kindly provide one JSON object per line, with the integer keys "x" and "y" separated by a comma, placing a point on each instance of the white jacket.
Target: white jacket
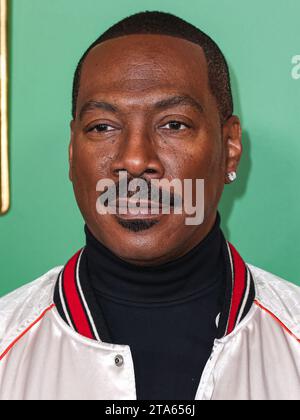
{"x": 44, "y": 358}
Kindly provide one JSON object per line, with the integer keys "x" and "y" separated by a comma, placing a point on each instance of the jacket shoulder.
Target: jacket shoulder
{"x": 23, "y": 306}
{"x": 279, "y": 297}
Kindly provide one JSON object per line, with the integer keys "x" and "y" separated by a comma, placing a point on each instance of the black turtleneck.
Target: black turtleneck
{"x": 166, "y": 314}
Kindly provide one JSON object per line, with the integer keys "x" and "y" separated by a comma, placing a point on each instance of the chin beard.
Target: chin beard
{"x": 137, "y": 225}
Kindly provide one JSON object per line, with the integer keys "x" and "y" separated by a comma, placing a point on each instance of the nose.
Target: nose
{"x": 138, "y": 156}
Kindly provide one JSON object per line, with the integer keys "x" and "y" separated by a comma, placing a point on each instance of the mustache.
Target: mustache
{"x": 156, "y": 195}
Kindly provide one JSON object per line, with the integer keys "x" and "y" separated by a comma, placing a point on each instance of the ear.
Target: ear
{"x": 71, "y": 151}
{"x": 232, "y": 136}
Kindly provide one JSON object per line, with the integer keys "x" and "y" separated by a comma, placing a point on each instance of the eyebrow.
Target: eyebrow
{"x": 91, "y": 105}
{"x": 162, "y": 104}
{"x": 179, "y": 100}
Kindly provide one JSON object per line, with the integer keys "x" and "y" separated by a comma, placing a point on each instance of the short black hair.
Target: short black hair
{"x": 153, "y": 22}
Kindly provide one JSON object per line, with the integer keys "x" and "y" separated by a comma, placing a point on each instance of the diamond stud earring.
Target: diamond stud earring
{"x": 232, "y": 176}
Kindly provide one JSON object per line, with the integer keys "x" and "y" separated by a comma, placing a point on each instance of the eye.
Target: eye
{"x": 100, "y": 128}
{"x": 176, "y": 126}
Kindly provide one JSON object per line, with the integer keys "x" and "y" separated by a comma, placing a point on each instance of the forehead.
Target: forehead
{"x": 138, "y": 64}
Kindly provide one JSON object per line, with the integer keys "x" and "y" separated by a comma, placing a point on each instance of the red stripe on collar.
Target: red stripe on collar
{"x": 239, "y": 288}
{"x": 73, "y": 299}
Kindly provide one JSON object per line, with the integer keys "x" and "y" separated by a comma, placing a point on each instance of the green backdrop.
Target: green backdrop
{"x": 260, "y": 212}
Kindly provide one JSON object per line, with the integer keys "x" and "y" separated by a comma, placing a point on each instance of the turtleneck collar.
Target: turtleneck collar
{"x": 82, "y": 278}
{"x": 187, "y": 277}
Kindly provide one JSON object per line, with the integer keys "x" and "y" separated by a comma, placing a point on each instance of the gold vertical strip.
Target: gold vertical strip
{"x": 4, "y": 152}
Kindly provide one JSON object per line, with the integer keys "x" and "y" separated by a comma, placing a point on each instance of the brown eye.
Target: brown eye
{"x": 100, "y": 128}
{"x": 176, "y": 126}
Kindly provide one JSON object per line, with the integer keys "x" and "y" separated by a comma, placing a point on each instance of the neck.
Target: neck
{"x": 194, "y": 273}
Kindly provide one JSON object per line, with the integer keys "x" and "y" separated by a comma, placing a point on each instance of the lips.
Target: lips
{"x": 125, "y": 207}
{"x": 143, "y": 204}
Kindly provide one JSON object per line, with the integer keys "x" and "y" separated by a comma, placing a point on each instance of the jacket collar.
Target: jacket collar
{"x": 240, "y": 291}
{"x": 77, "y": 305}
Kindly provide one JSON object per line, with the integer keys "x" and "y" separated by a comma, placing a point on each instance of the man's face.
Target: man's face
{"x": 143, "y": 131}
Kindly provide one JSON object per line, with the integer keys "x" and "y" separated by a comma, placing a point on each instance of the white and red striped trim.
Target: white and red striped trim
{"x": 242, "y": 294}
{"x": 76, "y": 310}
